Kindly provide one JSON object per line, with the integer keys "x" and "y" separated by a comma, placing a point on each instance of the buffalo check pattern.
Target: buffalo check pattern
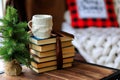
{"x": 78, "y": 22}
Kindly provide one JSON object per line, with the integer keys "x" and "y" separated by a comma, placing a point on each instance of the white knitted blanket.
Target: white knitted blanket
{"x": 99, "y": 45}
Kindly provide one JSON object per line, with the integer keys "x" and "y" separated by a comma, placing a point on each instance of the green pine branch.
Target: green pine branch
{"x": 15, "y": 37}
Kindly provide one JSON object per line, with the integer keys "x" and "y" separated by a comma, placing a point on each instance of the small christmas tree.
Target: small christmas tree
{"x": 15, "y": 38}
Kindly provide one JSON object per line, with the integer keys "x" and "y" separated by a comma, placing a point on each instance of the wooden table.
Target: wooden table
{"x": 79, "y": 71}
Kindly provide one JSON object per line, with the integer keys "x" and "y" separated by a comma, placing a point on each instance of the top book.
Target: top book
{"x": 50, "y": 40}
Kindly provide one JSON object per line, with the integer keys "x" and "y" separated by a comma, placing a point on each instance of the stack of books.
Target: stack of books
{"x": 43, "y": 52}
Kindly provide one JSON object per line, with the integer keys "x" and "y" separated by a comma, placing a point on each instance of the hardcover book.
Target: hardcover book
{"x": 65, "y": 50}
{"x": 41, "y": 70}
{"x": 48, "y": 47}
{"x": 50, "y": 63}
{"x": 39, "y": 60}
{"x": 50, "y": 40}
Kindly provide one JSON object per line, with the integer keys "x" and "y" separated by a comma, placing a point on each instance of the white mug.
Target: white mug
{"x": 41, "y": 34}
{"x": 41, "y": 26}
{"x": 40, "y": 19}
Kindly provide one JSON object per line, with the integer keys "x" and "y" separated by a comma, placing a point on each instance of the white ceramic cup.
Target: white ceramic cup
{"x": 41, "y": 26}
{"x": 40, "y": 19}
{"x": 41, "y": 34}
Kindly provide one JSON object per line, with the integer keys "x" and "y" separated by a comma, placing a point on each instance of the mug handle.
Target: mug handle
{"x": 29, "y": 24}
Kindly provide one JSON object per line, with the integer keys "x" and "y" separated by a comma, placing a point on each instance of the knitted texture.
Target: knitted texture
{"x": 99, "y": 45}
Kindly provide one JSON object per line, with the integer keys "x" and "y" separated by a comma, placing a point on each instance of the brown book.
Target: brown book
{"x": 50, "y": 63}
{"x": 50, "y": 58}
{"x": 41, "y": 70}
{"x": 43, "y": 48}
{"x": 65, "y": 50}
{"x": 50, "y": 40}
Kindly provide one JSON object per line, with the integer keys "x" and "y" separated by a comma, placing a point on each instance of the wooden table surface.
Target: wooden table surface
{"x": 79, "y": 71}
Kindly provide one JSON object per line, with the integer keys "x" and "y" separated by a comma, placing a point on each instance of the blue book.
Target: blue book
{"x": 50, "y": 40}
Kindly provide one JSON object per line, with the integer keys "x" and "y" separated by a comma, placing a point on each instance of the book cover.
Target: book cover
{"x": 50, "y": 40}
{"x": 41, "y": 70}
{"x": 50, "y": 63}
{"x": 65, "y": 50}
{"x": 50, "y": 58}
{"x": 43, "y": 48}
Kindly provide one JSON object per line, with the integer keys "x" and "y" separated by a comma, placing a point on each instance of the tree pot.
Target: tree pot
{"x": 13, "y": 68}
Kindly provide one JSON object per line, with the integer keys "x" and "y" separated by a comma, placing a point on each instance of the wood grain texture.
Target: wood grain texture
{"x": 79, "y": 71}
